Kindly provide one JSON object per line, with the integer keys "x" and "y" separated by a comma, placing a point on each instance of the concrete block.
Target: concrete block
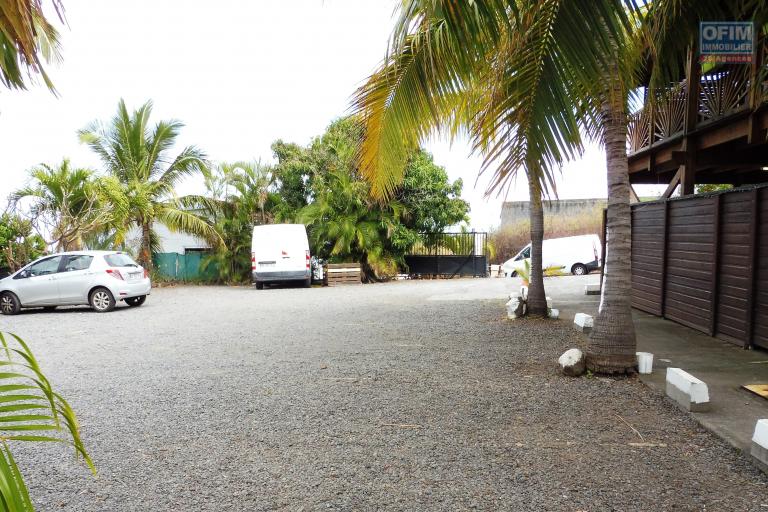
{"x": 592, "y": 289}
{"x": 554, "y": 314}
{"x": 759, "y": 449}
{"x": 582, "y": 322}
{"x": 689, "y": 392}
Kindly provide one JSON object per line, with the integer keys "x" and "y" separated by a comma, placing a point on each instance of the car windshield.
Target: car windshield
{"x": 120, "y": 260}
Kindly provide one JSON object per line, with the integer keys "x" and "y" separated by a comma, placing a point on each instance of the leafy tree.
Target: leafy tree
{"x": 64, "y": 203}
{"x": 142, "y": 175}
{"x": 346, "y": 223}
{"x": 712, "y": 187}
{"x": 27, "y": 40}
{"x": 18, "y": 243}
{"x": 433, "y": 202}
{"x": 293, "y": 174}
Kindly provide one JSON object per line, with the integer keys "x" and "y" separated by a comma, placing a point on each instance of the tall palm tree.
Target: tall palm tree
{"x": 64, "y": 204}
{"x": 142, "y": 175}
{"x": 27, "y": 40}
{"x": 514, "y": 75}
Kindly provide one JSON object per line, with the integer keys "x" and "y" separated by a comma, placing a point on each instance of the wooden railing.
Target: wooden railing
{"x": 722, "y": 92}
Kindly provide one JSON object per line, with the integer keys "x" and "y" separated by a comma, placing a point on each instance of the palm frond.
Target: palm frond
{"x": 31, "y": 411}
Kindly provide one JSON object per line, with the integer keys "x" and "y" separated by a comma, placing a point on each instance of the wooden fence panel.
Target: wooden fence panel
{"x": 733, "y": 268}
{"x": 689, "y": 278}
{"x": 760, "y": 290}
{"x": 706, "y": 267}
{"x": 648, "y": 233}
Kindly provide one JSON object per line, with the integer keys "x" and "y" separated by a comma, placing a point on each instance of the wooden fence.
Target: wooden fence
{"x": 702, "y": 261}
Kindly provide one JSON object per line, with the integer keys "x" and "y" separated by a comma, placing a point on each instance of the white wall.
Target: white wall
{"x": 170, "y": 241}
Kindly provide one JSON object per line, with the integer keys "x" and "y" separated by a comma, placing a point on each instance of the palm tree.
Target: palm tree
{"x": 27, "y": 40}
{"x": 141, "y": 176}
{"x": 476, "y": 66}
{"x": 36, "y": 413}
{"x": 64, "y": 203}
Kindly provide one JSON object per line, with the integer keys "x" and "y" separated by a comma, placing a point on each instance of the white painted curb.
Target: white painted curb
{"x": 691, "y": 393}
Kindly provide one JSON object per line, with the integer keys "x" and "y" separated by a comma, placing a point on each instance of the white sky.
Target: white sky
{"x": 239, "y": 74}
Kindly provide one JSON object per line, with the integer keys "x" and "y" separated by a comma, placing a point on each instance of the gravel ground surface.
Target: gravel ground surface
{"x": 381, "y": 397}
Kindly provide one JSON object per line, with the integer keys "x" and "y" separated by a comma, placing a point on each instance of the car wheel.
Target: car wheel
{"x": 259, "y": 286}
{"x": 514, "y": 273}
{"x": 101, "y": 300}
{"x": 308, "y": 282}
{"x": 9, "y": 304}
{"x": 135, "y": 302}
{"x": 579, "y": 270}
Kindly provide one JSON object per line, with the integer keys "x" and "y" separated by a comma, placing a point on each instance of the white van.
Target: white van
{"x": 578, "y": 255}
{"x": 280, "y": 253}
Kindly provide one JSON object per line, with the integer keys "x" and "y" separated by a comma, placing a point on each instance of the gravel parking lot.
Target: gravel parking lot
{"x": 400, "y": 396}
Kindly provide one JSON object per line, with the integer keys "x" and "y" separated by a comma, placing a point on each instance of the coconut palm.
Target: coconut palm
{"x": 514, "y": 75}
{"x": 64, "y": 203}
{"x": 142, "y": 175}
{"x": 27, "y": 40}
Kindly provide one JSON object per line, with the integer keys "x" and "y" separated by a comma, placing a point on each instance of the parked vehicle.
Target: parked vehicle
{"x": 280, "y": 253}
{"x": 96, "y": 278}
{"x": 578, "y": 255}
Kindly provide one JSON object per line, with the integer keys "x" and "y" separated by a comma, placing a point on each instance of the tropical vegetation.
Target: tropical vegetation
{"x": 32, "y": 412}
{"x": 525, "y": 87}
{"x": 63, "y": 201}
{"x": 19, "y": 243}
{"x": 28, "y": 42}
{"x": 141, "y": 175}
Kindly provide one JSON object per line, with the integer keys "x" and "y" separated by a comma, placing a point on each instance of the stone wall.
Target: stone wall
{"x": 515, "y": 211}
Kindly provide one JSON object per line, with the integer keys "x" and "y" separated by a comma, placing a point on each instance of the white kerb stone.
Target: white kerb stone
{"x": 761, "y": 433}
{"x": 582, "y": 322}
{"x": 691, "y": 393}
{"x": 760, "y": 444}
{"x": 554, "y": 314}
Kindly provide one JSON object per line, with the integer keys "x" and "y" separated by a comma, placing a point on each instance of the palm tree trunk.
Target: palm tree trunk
{"x": 612, "y": 344}
{"x": 537, "y": 299}
{"x": 145, "y": 253}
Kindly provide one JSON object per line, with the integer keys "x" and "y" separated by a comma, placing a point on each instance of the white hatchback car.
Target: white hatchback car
{"x": 95, "y": 278}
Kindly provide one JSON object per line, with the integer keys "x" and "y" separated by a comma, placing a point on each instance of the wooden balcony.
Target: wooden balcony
{"x": 709, "y": 128}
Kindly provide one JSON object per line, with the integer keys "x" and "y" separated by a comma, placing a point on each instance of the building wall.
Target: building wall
{"x": 170, "y": 241}
{"x": 516, "y": 211}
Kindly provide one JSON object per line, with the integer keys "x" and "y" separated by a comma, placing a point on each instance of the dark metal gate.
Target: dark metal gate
{"x": 449, "y": 255}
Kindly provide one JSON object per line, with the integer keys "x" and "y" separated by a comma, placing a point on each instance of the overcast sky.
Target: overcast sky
{"x": 239, "y": 74}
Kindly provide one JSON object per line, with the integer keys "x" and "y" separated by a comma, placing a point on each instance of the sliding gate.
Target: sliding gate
{"x": 449, "y": 255}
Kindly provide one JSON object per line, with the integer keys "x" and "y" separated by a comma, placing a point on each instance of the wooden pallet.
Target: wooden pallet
{"x": 339, "y": 274}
